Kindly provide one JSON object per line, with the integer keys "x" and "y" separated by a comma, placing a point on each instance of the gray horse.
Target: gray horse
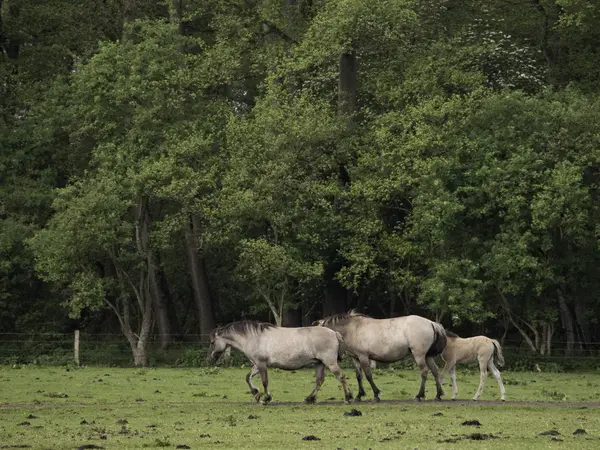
{"x": 389, "y": 340}
{"x": 267, "y": 345}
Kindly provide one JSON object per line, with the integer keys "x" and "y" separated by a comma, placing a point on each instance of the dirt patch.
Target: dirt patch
{"x": 549, "y": 433}
{"x": 392, "y": 438}
{"x": 579, "y": 431}
{"x": 472, "y": 436}
{"x": 353, "y": 413}
{"x": 481, "y": 436}
{"x": 474, "y": 423}
{"x": 311, "y": 438}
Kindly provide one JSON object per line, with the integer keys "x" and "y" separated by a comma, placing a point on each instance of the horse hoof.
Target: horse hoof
{"x": 376, "y": 399}
{"x": 502, "y": 399}
{"x": 257, "y": 397}
{"x": 418, "y": 399}
{"x": 453, "y": 399}
{"x": 438, "y": 399}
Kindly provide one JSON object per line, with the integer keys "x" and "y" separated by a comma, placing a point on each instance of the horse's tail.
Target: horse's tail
{"x": 439, "y": 340}
{"x": 341, "y": 346}
{"x": 498, "y": 356}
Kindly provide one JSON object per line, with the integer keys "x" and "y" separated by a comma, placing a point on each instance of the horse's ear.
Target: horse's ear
{"x": 315, "y": 323}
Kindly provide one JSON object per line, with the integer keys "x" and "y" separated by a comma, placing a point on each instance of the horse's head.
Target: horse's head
{"x": 317, "y": 323}
{"x": 217, "y": 346}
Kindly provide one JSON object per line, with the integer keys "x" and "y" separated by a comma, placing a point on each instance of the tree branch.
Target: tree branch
{"x": 278, "y": 32}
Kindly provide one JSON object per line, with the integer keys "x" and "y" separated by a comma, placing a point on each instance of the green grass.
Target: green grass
{"x": 211, "y": 408}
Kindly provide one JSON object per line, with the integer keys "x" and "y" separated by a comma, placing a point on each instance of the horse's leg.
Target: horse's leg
{"x": 443, "y": 372}
{"x": 253, "y": 389}
{"x": 366, "y": 367}
{"x": 454, "y": 385}
{"x": 446, "y": 371}
{"x": 359, "y": 378}
{"x": 265, "y": 381}
{"x": 482, "y": 377}
{"x": 434, "y": 370}
{"x": 319, "y": 378}
{"x": 422, "y": 363}
{"x": 498, "y": 377}
{"x": 339, "y": 374}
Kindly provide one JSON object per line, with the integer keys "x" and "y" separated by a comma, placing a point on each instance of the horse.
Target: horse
{"x": 267, "y": 345}
{"x": 389, "y": 340}
{"x": 465, "y": 350}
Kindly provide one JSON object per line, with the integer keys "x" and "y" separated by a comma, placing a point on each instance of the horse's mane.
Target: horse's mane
{"x": 243, "y": 327}
{"x": 341, "y": 318}
{"x": 451, "y": 334}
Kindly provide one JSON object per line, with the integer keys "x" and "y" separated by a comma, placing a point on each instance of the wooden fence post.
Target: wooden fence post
{"x": 77, "y": 347}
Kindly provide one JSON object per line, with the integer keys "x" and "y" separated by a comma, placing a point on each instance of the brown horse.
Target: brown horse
{"x": 267, "y": 345}
{"x": 389, "y": 340}
{"x": 477, "y": 348}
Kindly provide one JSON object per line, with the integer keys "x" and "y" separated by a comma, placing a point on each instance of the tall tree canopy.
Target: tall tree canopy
{"x": 173, "y": 165}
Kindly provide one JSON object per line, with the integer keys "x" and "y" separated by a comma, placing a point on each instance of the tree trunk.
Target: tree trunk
{"x": 548, "y": 337}
{"x": 290, "y": 13}
{"x": 583, "y": 323}
{"x": 292, "y": 317}
{"x": 153, "y": 286}
{"x": 567, "y": 321}
{"x": 550, "y": 49}
{"x": 335, "y": 294}
{"x": 145, "y": 292}
{"x": 176, "y": 13}
{"x": 361, "y": 302}
{"x": 140, "y": 356}
{"x": 347, "y": 84}
{"x": 161, "y": 310}
{"x": 202, "y": 297}
{"x": 506, "y": 307}
{"x": 163, "y": 284}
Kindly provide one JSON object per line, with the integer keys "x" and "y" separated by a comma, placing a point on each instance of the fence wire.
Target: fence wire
{"x": 189, "y": 350}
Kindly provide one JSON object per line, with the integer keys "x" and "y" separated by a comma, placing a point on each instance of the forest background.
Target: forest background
{"x": 168, "y": 166}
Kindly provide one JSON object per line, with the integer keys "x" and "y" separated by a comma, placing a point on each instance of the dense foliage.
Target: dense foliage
{"x": 167, "y": 166}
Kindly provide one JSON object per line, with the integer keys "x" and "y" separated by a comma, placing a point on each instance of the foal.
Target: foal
{"x": 464, "y": 350}
{"x": 267, "y": 345}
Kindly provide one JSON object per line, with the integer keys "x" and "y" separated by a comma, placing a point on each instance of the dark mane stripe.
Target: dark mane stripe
{"x": 341, "y": 318}
{"x": 244, "y": 327}
{"x": 451, "y": 334}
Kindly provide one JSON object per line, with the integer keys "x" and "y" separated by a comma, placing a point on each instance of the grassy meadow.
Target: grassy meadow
{"x": 65, "y": 408}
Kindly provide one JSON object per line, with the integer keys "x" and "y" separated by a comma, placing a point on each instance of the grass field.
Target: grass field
{"x": 60, "y": 408}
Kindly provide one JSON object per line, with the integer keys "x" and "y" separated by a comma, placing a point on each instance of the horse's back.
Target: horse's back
{"x": 465, "y": 350}
{"x": 384, "y": 340}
